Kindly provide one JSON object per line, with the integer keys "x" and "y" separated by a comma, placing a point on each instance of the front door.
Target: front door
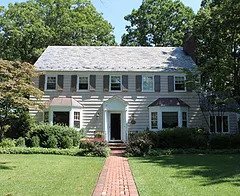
{"x": 115, "y": 132}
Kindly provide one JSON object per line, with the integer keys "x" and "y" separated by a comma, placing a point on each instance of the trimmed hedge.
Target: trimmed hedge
{"x": 142, "y": 143}
{"x": 55, "y": 151}
{"x": 20, "y": 150}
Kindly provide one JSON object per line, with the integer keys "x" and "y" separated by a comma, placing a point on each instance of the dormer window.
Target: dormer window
{"x": 179, "y": 83}
{"x": 115, "y": 83}
{"x": 51, "y": 82}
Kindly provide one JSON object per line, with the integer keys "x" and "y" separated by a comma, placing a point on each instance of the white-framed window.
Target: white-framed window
{"x": 154, "y": 120}
{"x": 219, "y": 124}
{"x": 83, "y": 83}
{"x": 51, "y": 83}
{"x": 147, "y": 83}
{"x": 184, "y": 119}
{"x": 76, "y": 119}
{"x": 169, "y": 120}
{"x": 115, "y": 83}
{"x": 179, "y": 83}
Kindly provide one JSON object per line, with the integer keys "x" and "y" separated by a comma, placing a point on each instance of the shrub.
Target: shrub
{"x": 66, "y": 142}
{"x": 52, "y": 142}
{"x": 20, "y": 142}
{"x": 20, "y": 125}
{"x": 219, "y": 142}
{"x": 94, "y": 148}
{"x": 139, "y": 144}
{"x": 66, "y": 137}
{"x": 182, "y": 138}
{"x": 35, "y": 141}
{"x": 7, "y": 143}
{"x": 235, "y": 141}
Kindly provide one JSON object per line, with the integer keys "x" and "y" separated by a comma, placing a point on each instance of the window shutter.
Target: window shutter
{"x": 157, "y": 83}
{"x": 92, "y": 86}
{"x": 74, "y": 83}
{"x": 189, "y": 84}
{"x": 41, "y": 82}
{"x": 139, "y": 83}
{"x": 106, "y": 83}
{"x": 125, "y": 83}
{"x": 170, "y": 83}
{"x": 60, "y": 82}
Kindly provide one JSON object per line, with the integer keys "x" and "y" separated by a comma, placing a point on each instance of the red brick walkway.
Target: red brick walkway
{"x": 116, "y": 178}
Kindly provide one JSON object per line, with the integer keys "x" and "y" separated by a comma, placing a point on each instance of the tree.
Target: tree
{"x": 29, "y": 27}
{"x": 158, "y": 23}
{"x": 16, "y": 86}
{"x": 217, "y": 32}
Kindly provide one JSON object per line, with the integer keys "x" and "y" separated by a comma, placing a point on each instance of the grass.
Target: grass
{"x": 48, "y": 174}
{"x": 187, "y": 175}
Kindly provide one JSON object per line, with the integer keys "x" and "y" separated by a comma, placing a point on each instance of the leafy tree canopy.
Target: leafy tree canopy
{"x": 158, "y": 23}
{"x": 217, "y": 32}
{"x": 27, "y": 28}
{"x": 16, "y": 86}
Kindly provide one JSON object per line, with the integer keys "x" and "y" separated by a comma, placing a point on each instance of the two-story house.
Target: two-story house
{"x": 119, "y": 89}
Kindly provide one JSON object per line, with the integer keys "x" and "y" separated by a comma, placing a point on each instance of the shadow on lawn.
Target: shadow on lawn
{"x": 214, "y": 169}
{"x": 3, "y": 165}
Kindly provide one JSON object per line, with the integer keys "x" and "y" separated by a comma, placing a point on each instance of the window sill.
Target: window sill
{"x": 180, "y": 91}
{"x": 50, "y": 90}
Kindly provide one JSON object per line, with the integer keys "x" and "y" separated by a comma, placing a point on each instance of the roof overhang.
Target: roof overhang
{"x": 163, "y": 102}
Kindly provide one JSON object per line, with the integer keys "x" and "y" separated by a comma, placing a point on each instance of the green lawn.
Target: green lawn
{"x": 208, "y": 175}
{"x": 48, "y": 175}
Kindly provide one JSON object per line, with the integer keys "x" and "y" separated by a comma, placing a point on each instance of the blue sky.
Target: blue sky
{"x": 115, "y": 10}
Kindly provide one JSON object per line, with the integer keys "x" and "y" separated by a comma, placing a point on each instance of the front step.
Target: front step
{"x": 117, "y": 148}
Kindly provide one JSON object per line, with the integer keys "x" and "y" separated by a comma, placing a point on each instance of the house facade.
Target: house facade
{"x": 118, "y": 90}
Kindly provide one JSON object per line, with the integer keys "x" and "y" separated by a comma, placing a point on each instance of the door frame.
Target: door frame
{"x": 121, "y": 125}
{"x": 115, "y": 104}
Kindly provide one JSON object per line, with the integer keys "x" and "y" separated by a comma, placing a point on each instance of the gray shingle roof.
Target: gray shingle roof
{"x": 168, "y": 102}
{"x": 62, "y": 101}
{"x": 113, "y": 58}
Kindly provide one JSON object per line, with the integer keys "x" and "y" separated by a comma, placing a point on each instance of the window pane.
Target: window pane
{"x": 51, "y": 83}
{"x": 83, "y": 83}
{"x": 115, "y": 83}
{"x": 169, "y": 119}
{"x": 184, "y": 119}
{"x": 77, "y": 124}
{"x": 76, "y": 115}
{"x": 179, "y": 83}
{"x": 154, "y": 120}
{"x": 225, "y": 124}
{"x": 147, "y": 83}
{"x": 219, "y": 124}
{"x": 212, "y": 124}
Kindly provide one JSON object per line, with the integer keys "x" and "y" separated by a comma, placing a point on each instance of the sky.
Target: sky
{"x": 115, "y": 10}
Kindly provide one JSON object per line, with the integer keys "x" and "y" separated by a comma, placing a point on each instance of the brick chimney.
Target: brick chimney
{"x": 190, "y": 45}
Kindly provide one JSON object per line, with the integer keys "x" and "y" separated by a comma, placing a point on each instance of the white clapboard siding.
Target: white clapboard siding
{"x": 138, "y": 102}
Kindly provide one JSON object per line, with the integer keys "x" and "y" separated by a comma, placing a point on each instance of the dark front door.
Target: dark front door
{"x": 61, "y": 118}
{"x": 115, "y": 127}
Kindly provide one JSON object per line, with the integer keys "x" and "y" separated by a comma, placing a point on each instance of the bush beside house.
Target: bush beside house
{"x": 179, "y": 140}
